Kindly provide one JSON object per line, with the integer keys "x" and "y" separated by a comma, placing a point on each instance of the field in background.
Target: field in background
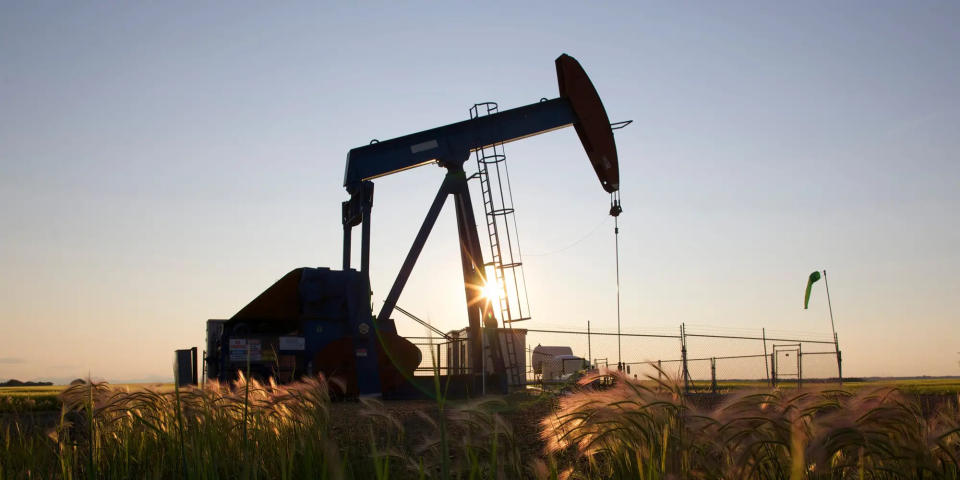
{"x": 39, "y": 399}
{"x": 31, "y": 391}
{"x": 915, "y": 386}
{"x": 14, "y": 399}
{"x": 56, "y": 389}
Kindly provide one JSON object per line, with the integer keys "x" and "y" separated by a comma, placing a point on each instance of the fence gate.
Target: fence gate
{"x": 786, "y": 363}
{"x": 601, "y": 363}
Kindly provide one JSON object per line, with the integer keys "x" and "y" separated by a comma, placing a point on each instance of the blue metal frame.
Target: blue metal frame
{"x": 454, "y": 142}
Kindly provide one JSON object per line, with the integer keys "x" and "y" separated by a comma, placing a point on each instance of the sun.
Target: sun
{"x": 491, "y": 291}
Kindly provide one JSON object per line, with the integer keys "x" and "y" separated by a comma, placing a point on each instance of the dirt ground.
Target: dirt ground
{"x": 522, "y": 411}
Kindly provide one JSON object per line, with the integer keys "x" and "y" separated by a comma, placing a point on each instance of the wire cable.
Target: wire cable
{"x": 568, "y": 247}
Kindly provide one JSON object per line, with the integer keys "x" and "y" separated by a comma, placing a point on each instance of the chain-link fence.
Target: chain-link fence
{"x": 819, "y": 366}
{"x": 701, "y": 359}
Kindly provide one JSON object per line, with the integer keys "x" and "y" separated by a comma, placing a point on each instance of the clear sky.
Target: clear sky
{"x": 161, "y": 164}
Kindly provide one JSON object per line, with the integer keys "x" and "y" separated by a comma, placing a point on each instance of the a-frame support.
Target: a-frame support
{"x": 479, "y": 307}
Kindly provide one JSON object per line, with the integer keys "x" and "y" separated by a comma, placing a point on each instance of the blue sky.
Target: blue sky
{"x": 162, "y": 163}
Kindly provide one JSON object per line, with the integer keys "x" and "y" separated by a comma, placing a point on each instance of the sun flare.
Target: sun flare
{"x": 491, "y": 291}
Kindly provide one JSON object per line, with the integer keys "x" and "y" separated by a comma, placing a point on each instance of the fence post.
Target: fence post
{"x": 683, "y": 358}
{"x": 799, "y": 366}
{"x": 773, "y": 367}
{"x": 713, "y": 374}
{"x": 589, "y": 351}
{"x": 766, "y": 366}
{"x": 483, "y": 361}
{"x": 836, "y": 346}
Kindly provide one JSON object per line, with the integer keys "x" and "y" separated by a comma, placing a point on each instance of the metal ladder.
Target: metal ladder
{"x": 505, "y": 262}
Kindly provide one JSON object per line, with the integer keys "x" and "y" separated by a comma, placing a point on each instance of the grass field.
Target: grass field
{"x": 630, "y": 430}
{"x": 15, "y": 399}
{"x": 916, "y": 386}
{"x": 45, "y": 398}
{"x": 913, "y": 385}
{"x": 31, "y": 391}
{"x": 56, "y": 389}
{"x": 921, "y": 386}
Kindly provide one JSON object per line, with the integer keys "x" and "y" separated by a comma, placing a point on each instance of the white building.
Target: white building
{"x": 552, "y": 363}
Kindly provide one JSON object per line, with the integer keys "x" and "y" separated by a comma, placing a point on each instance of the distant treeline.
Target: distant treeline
{"x": 17, "y": 383}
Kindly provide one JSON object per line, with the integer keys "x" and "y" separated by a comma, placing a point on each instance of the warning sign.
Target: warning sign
{"x": 253, "y": 346}
{"x": 243, "y": 348}
{"x": 292, "y": 343}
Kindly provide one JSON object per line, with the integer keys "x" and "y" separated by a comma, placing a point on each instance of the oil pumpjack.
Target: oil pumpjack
{"x": 319, "y": 320}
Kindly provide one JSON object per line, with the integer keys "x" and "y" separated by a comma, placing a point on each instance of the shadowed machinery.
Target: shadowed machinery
{"x": 319, "y": 320}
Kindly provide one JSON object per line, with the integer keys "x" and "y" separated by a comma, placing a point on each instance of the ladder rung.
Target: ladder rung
{"x": 496, "y": 205}
{"x": 521, "y": 319}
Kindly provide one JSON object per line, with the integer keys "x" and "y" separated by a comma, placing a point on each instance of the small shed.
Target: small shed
{"x": 555, "y": 362}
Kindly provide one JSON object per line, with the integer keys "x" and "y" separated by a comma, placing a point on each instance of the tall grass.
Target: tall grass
{"x": 650, "y": 430}
{"x": 189, "y": 433}
{"x": 631, "y": 430}
{"x": 249, "y": 430}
